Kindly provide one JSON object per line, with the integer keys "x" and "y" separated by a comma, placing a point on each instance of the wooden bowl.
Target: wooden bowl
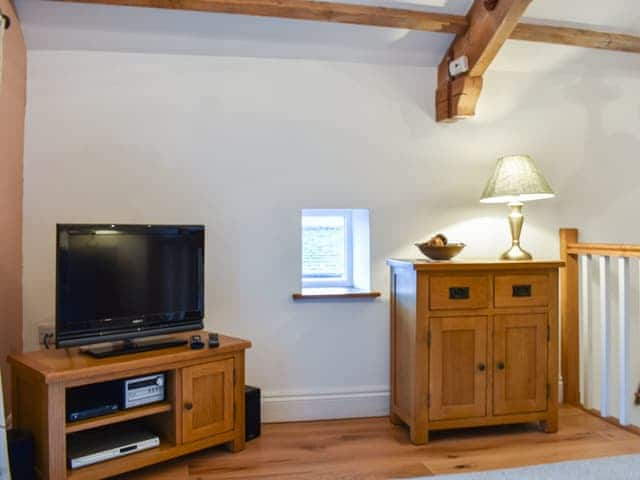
{"x": 446, "y": 252}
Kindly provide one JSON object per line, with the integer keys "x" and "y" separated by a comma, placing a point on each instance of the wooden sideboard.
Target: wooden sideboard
{"x": 473, "y": 343}
{"x": 204, "y": 403}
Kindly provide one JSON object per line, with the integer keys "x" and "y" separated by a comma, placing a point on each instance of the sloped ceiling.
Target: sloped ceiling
{"x": 72, "y": 26}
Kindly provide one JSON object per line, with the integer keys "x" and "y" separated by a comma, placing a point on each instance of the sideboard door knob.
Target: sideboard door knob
{"x": 481, "y": 367}
{"x": 500, "y": 365}
{"x": 188, "y": 406}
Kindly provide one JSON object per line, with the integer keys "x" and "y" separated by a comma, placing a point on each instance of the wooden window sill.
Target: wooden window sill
{"x": 315, "y": 293}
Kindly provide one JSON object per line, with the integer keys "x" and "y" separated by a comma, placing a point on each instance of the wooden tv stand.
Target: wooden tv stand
{"x": 204, "y": 403}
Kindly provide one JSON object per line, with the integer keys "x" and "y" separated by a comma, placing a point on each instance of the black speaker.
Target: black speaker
{"x": 252, "y": 412}
{"x": 21, "y": 454}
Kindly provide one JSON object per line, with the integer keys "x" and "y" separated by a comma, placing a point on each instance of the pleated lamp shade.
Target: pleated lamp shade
{"x": 516, "y": 178}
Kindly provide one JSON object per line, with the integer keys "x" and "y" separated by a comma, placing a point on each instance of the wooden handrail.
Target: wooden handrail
{"x": 604, "y": 249}
{"x": 574, "y": 254}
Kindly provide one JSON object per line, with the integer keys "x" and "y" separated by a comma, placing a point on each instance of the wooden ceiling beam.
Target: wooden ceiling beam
{"x": 311, "y": 10}
{"x": 386, "y": 17}
{"x": 577, "y": 37}
{"x": 491, "y": 22}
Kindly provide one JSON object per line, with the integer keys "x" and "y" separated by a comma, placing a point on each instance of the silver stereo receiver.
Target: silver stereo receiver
{"x": 143, "y": 390}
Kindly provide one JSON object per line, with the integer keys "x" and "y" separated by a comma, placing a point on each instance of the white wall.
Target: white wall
{"x": 242, "y": 144}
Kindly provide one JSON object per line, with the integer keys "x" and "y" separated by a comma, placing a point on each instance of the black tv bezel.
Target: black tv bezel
{"x": 122, "y": 327}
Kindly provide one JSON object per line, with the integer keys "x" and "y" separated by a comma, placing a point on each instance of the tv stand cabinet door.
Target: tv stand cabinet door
{"x": 208, "y": 400}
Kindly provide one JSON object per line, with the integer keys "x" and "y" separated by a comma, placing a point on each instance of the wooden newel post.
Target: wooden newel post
{"x": 570, "y": 318}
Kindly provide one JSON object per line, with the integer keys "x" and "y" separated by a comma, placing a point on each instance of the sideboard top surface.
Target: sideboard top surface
{"x": 475, "y": 264}
{"x": 68, "y": 364}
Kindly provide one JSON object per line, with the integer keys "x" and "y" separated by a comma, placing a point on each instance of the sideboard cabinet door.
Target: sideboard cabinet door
{"x": 458, "y": 367}
{"x": 207, "y": 394}
{"x": 520, "y": 363}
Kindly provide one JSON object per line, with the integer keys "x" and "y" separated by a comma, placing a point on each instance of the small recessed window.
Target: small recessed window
{"x": 335, "y": 248}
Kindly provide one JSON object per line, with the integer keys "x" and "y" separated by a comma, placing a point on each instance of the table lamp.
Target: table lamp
{"x": 516, "y": 179}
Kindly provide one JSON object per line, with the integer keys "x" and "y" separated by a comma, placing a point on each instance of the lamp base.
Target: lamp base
{"x": 516, "y": 253}
{"x": 516, "y": 219}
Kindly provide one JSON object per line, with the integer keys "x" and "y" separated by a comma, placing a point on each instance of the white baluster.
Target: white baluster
{"x": 585, "y": 328}
{"x": 623, "y": 328}
{"x": 604, "y": 337}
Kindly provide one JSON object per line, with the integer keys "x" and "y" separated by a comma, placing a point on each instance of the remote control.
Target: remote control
{"x": 213, "y": 340}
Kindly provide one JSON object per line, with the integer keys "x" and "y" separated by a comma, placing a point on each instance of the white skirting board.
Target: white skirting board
{"x": 293, "y": 406}
{"x": 297, "y": 406}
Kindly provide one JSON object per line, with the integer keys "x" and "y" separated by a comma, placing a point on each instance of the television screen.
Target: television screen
{"x": 117, "y": 282}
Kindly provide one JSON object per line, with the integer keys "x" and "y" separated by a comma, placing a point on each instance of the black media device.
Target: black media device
{"x": 252, "y": 412}
{"x": 94, "y": 400}
{"x": 196, "y": 343}
{"x": 22, "y": 458}
{"x": 214, "y": 341}
{"x": 115, "y": 283}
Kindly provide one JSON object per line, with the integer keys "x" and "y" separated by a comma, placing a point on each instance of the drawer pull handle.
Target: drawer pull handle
{"x": 458, "y": 293}
{"x": 521, "y": 291}
{"x": 188, "y": 406}
{"x": 500, "y": 365}
{"x": 481, "y": 367}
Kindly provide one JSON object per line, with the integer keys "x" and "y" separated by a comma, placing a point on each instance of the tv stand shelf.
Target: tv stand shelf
{"x": 207, "y": 384}
{"x": 121, "y": 416}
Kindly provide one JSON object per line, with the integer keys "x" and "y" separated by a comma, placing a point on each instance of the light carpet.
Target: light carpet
{"x": 626, "y": 467}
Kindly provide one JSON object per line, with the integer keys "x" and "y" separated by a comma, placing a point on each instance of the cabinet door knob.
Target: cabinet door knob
{"x": 500, "y": 365}
{"x": 188, "y": 406}
{"x": 481, "y": 367}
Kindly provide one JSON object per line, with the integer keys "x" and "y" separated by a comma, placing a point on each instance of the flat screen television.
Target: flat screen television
{"x": 120, "y": 282}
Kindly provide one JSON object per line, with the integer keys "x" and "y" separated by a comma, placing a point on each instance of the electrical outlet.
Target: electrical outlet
{"x": 459, "y": 66}
{"x": 46, "y": 330}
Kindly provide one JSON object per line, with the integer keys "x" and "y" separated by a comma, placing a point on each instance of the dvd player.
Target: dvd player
{"x": 101, "y": 444}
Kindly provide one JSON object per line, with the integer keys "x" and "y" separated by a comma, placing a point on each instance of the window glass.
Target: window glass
{"x": 324, "y": 247}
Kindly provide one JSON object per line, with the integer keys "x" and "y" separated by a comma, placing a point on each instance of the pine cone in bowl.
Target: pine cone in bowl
{"x": 439, "y": 248}
{"x": 438, "y": 240}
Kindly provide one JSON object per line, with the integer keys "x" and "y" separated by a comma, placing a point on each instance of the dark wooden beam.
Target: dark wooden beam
{"x": 491, "y": 22}
{"x": 386, "y": 17}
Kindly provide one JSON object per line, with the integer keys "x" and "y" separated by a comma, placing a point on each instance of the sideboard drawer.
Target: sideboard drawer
{"x": 453, "y": 292}
{"x": 523, "y": 290}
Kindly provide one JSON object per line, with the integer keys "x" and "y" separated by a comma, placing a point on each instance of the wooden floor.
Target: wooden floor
{"x": 374, "y": 449}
